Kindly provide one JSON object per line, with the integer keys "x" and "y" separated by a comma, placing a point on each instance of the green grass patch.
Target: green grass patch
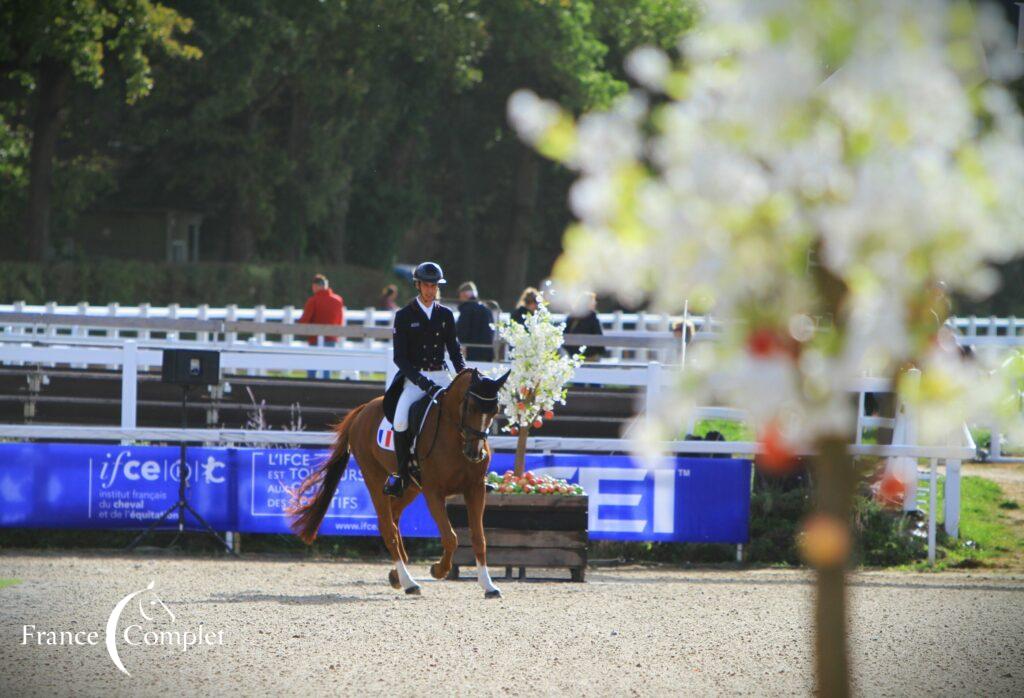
{"x": 9, "y": 582}
{"x": 987, "y": 535}
{"x": 732, "y": 431}
{"x": 983, "y": 439}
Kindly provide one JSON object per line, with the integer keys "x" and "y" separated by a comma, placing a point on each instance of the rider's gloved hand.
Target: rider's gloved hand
{"x": 434, "y": 390}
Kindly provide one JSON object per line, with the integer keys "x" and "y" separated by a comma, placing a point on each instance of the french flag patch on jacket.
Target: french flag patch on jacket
{"x": 386, "y": 435}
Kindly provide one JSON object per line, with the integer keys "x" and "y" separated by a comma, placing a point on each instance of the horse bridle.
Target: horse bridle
{"x": 469, "y": 432}
{"x": 466, "y": 432}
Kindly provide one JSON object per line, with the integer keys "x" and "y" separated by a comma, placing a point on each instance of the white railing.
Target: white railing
{"x": 618, "y": 320}
{"x": 973, "y": 327}
{"x": 72, "y": 320}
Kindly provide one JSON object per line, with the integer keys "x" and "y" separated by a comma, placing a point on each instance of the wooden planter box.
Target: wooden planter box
{"x": 526, "y": 530}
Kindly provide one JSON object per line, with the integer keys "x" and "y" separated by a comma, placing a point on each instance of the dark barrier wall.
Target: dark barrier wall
{"x": 243, "y": 489}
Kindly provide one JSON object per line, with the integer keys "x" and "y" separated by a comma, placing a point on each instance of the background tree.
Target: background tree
{"x": 366, "y": 133}
{"x": 47, "y": 47}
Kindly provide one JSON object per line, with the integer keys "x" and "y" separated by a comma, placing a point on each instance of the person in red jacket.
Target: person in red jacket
{"x": 324, "y": 307}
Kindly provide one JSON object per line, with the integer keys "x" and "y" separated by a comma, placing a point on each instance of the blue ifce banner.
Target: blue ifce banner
{"x": 244, "y": 489}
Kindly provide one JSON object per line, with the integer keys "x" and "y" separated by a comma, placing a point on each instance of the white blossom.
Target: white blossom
{"x": 864, "y": 147}
{"x": 539, "y": 369}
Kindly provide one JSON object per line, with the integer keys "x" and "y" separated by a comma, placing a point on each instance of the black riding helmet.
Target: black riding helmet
{"x": 429, "y": 272}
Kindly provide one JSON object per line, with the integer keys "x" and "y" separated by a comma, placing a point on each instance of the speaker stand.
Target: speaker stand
{"x": 182, "y": 505}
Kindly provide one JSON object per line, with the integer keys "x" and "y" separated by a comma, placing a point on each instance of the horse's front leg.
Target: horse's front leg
{"x": 449, "y": 541}
{"x": 397, "y": 507}
{"x": 476, "y": 498}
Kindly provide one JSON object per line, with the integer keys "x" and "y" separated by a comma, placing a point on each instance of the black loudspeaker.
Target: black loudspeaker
{"x": 190, "y": 367}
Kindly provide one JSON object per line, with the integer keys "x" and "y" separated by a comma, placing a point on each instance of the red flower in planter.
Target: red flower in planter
{"x": 890, "y": 491}
{"x": 777, "y": 457}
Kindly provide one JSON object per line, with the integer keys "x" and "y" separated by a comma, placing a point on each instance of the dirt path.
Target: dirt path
{"x": 337, "y": 628}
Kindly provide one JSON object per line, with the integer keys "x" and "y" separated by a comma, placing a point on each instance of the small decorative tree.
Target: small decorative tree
{"x": 821, "y": 174}
{"x": 538, "y": 375}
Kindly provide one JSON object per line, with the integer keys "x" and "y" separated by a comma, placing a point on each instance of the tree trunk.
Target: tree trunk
{"x": 291, "y": 220}
{"x": 836, "y": 479}
{"x": 337, "y": 232}
{"x": 517, "y": 256}
{"x": 520, "y": 465}
{"x": 54, "y": 80}
{"x": 241, "y": 237}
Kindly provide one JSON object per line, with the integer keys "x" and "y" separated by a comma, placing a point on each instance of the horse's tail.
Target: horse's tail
{"x": 308, "y": 512}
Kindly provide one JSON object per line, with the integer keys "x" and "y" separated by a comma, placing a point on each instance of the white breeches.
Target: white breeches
{"x": 411, "y": 393}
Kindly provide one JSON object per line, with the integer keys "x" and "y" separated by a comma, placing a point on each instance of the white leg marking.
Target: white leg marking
{"x": 403, "y": 575}
{"x": 483, "y": 577}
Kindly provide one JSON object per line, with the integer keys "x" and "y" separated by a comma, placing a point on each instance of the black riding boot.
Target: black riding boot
{"x": 396, "y": 484}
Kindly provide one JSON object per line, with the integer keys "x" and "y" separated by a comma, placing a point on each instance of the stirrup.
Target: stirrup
{"x": 395, "y": 486}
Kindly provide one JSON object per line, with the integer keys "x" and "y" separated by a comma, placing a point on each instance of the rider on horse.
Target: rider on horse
{"x": 423, "y": 330}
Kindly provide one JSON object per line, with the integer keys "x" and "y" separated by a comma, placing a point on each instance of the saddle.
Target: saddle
{"x": 418, "y": 413}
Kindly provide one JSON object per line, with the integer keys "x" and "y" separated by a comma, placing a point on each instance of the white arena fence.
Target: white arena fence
{"x": 128, "y": 356}
{"x": 639, "y": 336}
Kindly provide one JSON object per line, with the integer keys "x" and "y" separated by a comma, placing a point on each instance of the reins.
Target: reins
{"x": 463, "y": 428}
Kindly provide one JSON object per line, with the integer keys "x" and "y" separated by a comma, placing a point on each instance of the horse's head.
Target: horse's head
{"x": 479, "y": 406}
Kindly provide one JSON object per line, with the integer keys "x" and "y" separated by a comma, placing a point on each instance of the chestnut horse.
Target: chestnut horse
{"x": 453, "y": 454}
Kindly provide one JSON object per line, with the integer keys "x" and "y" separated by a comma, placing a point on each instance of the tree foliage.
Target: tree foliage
{"x": 335, "y": 131}
{"x": 48, "y": 47}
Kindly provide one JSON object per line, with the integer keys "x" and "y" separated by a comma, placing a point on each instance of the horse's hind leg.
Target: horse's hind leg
{"x": 449, "y": 540}
{"x": 389, "y": 532}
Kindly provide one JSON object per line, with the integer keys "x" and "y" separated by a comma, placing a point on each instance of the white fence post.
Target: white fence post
{"x": 129, "y": 384}
{"x": 664, "y": 325}
{"x": 19, "y": 307}
{"x": 50, "y": 330}
{"x": 951, "y": 516}
{"x": 143, "y": 313}
{"x": 172, "y": 313}
{"x": 617, "y": 327}
{"x": 80, "y": 330}
{"x": 260, "y": 338}
{"x": 287, "y": 318}
{"x": 932, "y": 486}
{"x": 231, "y": 316}
{"x": 203, "y": 313}
{"x": 653, "y": 396}
{"x": 113, "y": 332}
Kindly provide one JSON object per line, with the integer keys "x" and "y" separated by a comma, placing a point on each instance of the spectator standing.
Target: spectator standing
{"x": 474, "y": 325}
{"x": 388, "y": 298}
{"x": 527, "y": 304}
{"x": 324, "y": 307}
{"x": 584, "y": 320}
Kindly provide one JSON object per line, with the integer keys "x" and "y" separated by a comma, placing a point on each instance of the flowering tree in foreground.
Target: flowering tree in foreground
{"x": 820, "y": 174}
{"x": 539, "y": 372}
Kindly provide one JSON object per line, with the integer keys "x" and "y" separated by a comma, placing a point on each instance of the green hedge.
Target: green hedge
{"x": 217, "y": 284}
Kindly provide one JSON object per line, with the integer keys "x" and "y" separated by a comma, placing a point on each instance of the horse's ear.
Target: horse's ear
{"x": 501, "y": 381}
